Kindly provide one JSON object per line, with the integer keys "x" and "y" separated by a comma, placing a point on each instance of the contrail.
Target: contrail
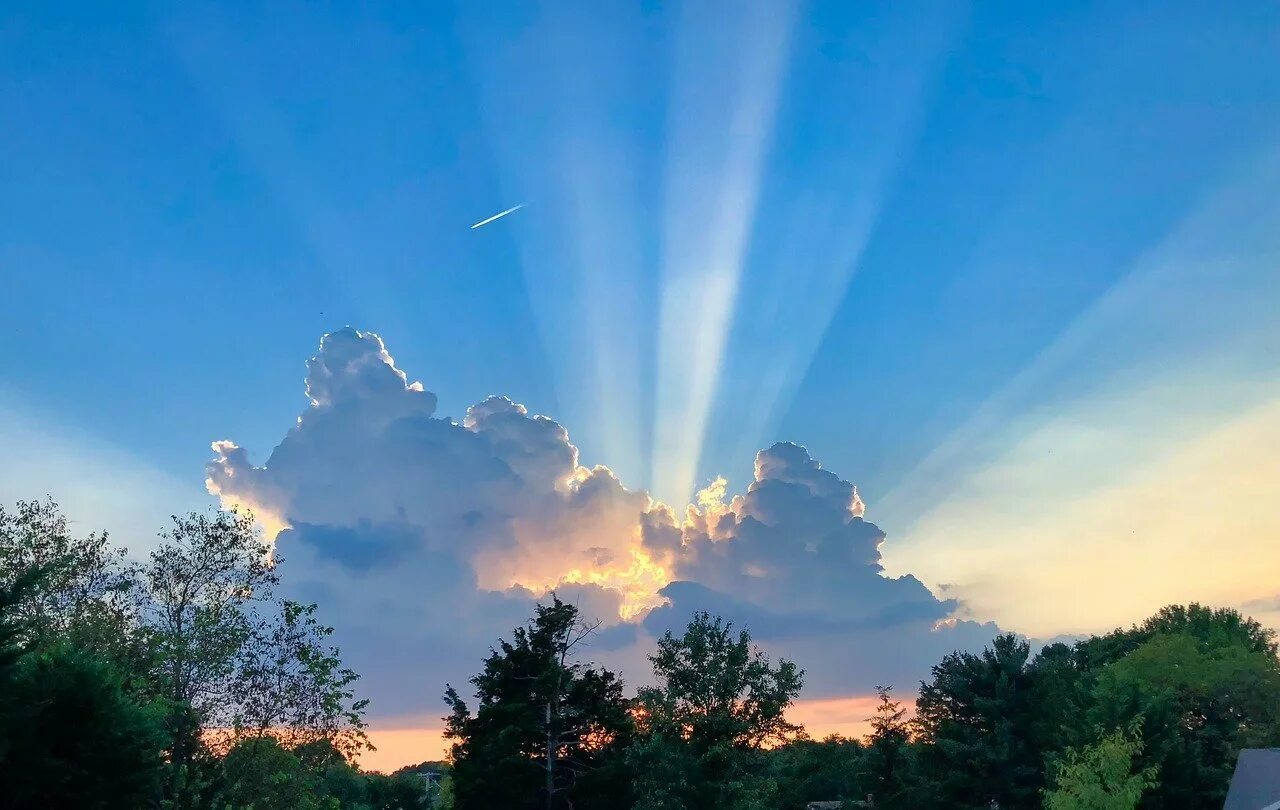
{"x": 498, "y": 215}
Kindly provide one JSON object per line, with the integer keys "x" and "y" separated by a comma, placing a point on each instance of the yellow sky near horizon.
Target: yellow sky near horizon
{"x": 1081, "y": 525}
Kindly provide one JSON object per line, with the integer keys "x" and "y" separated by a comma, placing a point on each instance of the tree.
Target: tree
{"x": 1212, "y": 628}
{"x": 200, "y": 583}
{"x": 544, "y": 721}
{"x": 260, "y": 773}
{"x": 817, "y": 770}
{"x": 80, "y": 739}
{"x": 70, "y": 735}
{"x": 718, "y": 701}
{"x": 13, "y": 712}
{"x": 1198, "y": 703}
{"x": 1101, "y": 776}
{"x": 291, "y": 685}
{"x": 975, "y": 717}
{"x": 716, "y": 689}
{"x": 85, "y": 594}
{"x": 888, "y": 770}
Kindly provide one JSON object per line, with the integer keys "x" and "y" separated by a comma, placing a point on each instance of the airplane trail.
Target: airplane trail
{"x": 498, "y": 215}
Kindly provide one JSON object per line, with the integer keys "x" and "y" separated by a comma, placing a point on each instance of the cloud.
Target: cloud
{"x": 795, "y": 561}
{"x": 424, "y": 540}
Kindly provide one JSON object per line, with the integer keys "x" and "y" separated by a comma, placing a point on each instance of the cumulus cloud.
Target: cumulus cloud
{"x": 424, "y": 539}
{"x": 795, "y": 560}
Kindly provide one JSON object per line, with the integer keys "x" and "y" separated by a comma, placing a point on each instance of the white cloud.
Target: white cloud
{"x": 424, "y": 540}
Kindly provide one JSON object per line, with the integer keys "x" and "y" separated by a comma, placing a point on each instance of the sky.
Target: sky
{"x": 878, "y": 328}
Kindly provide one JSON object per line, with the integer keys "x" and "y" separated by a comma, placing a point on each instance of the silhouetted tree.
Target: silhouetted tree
{"x": 975, "y": 717}
{"x": 87, "y": 594}
{"x": 889, "y": 762}
{"x": 290, "y": 684}
{"x": 717, "y": 702}
{"x": 70, "y": 735}
{"x": 544, "y": 721}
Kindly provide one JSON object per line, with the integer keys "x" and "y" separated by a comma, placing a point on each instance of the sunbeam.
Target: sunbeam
{"x": 726, "y": 83}
{"x": 1070, "y": 452}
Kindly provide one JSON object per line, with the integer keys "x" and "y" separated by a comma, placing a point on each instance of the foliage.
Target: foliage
{"x": 291, "y": 685}
{"x": 86, "y": 594}
{"x": 114, "y": 678}
{"x": 228, "y": 656}
{"x": 808, "y": 770}
{"x": 715, "y": 689}
{"x": 200, "y": 584}
{"x": 260, "y": 773}
{"x": 70, "y": 735}
{"x": 717, "y": 702}
{"x": 1199, "y": 703}
{"x": 1101, "y": 776}
{"x": 1211, "y": 628}
{"x": 889, "y": 766}
{"x": 975, "y": 717}
{"x": 544, "y": 721}
{"x": 399, "y": 792}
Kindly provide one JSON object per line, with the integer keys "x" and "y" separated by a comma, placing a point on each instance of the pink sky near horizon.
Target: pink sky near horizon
{"x": 398, "y": 746}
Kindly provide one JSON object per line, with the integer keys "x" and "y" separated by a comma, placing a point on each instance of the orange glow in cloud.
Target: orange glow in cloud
{"x": 638, "y": 582}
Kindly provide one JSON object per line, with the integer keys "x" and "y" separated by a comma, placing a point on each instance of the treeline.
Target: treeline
{"x": 1152, "y": 716}
{"x": 184, "y": 682}
{"x": 178, "y": 682}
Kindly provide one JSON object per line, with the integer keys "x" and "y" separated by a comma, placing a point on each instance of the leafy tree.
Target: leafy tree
{"x": 401, "y": 791}
{"x": 13, "y": 712}
{"x": 1199, "y": 703}
{"x": 812, "y": 770}
{"x": 70, "y": 735}
{"x": 544, "y": 721}
{"x": 975, "y": 717}
{"x": 229, "y": 657}
{"x": 199, "y": 583}
{"x": 292, "y": 685}
{"x": 86, "y": 594}
{"x": 444, "y": 799}
{"x": 718, "y": 701}
{"x": 261, "y": 774}
{"x": 716, "y": 689}
{"x": 1101, "y": 776}
{"x": 1212, "y": 628}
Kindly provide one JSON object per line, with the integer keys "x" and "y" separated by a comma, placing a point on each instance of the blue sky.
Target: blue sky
{"x": 191, "y": 198}
{"x": 978, "y": 259}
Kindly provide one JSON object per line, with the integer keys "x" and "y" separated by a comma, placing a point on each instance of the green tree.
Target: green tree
{"x": 714, "y": 688}
{"x": 544, "y": 721}
{"x": 230, "y": 659}
{"x": 290, "y": 683}
{"x": 975, "y": 717}
{"x": 261, "y": 774}
{"x": 403, "y": 791}
{"x": 87, "y": 593}
{"x": 1212, "y": 628}
{"x": 1101, "y": 776}
{"x": 813, "y": 770}
{"x": 70, "y": 735}
{"x": 200, "y": 583}
{"x": 1199, "y": 702}
{"x": 718, "y": 701}
{"x": 889, "y": 763}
